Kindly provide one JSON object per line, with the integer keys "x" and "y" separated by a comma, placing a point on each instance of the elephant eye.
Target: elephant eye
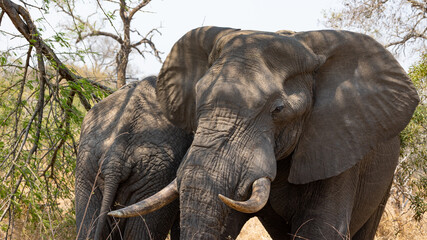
{"x": 278, "y": 109}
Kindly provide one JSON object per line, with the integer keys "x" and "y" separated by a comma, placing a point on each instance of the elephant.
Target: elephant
{"x": 128, "y": 151}
{"x": 298, "y": 128}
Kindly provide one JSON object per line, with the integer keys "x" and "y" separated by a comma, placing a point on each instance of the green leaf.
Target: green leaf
{"x": 3, "y": 60}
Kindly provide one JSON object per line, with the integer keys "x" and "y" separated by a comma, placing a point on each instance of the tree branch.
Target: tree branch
{"x": 111, "y": 23}
{"x": 138, "y": 7}
{"x": 66, "y": 120}
{"x": 100, "y": 33}
{"x": 155, "y": 52}
{"x": 147, "y": 40}
{"x": 1, "y": 16}
{"x": 29, "y": 31}
{"x": 100, "y": 86}
{"x": 413, "y": 34}
{"x": 418, "y": 5}
{"x": 123, "y": 9}
{"x": 40, "y": 103}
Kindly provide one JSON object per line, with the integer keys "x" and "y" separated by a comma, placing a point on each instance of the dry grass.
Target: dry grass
{"x": 61, "y": 227}
{"x": 397, "y": 223}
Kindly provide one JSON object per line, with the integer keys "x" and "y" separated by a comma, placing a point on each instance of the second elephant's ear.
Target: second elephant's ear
{"x": 362, "y": 97}
{"x": 187, "y": 62}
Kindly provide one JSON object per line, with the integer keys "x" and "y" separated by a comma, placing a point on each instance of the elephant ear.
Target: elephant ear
{"x": 362, "y": 97}
{"x": 184, "y": 66}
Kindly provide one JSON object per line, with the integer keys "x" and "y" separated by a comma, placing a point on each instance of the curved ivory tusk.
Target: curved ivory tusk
{"x": 260, "y": 195}
{"x": 151, "y": 204}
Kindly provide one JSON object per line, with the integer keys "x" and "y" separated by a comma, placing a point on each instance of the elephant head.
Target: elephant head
{"x": 322, "y": 99}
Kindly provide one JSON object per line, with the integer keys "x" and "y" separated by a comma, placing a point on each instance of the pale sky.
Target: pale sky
{"x": 178, "y": 17}
{"x": 175, "y": 18}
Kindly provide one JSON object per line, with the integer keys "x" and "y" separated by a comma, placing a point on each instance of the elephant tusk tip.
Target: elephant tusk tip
{"x": 151, "y": 204}
{"x": 116, "y": 213}
{"x": 229, "y": 202}
{"x": 258, "y": 199}
{"x": 223, "y": 198}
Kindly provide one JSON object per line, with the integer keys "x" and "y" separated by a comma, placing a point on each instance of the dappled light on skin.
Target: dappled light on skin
{"x": 309, "y": 99}
{"x": 126, "y": 144}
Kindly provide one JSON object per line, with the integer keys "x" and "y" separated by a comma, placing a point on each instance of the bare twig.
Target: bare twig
{"x": 31, "y": 5}
{"x": 126, "y": 14}
{"x": 138, "y": 7}
{"x": 111, "y": 23}
{"x": 418, "y": 5}
{"x": 399, "y": 24}
{"x": 100, "y": 33}
{"x": 21, "y": 91}
{"x": 1, "y": 16}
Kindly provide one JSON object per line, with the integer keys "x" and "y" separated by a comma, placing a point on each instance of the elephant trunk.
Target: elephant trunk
{"x": 201, "y": 213}
{"x": 107, "y": 201}
{"x": 214, "y": 168}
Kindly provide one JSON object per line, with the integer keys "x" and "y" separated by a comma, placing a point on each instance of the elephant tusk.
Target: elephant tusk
{"x": 260, "y": 195}
{"x": 151, "y": 204}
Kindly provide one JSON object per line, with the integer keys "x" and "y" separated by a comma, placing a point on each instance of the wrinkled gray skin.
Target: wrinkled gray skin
{"x": 136, "y": 152}
{"x": 318, "y": 113}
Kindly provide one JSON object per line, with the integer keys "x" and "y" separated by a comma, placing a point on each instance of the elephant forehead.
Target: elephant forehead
{"x": 235, "y": 85}
{"x": 245, "y": 39}
{"x": 278, "y": 52}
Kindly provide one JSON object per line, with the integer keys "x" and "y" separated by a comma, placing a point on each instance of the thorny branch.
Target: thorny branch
{"x": 27, "y": 28}
{"x": 17, "y": 115}
{"x": 66, "y": 120}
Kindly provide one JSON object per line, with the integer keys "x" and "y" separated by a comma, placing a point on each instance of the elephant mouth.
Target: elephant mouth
{"x": 259, "y": 197}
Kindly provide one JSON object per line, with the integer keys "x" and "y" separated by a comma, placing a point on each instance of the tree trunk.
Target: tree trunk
{"x": 125, "y": 48}
{"x": 122, "y": 62}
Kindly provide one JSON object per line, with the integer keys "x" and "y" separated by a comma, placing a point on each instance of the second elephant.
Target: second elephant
{"x": 128, "y": 151}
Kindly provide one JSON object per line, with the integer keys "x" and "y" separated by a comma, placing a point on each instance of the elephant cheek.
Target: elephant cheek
{"x": 263, "y": 163}
{"x": 287, "y": 138}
